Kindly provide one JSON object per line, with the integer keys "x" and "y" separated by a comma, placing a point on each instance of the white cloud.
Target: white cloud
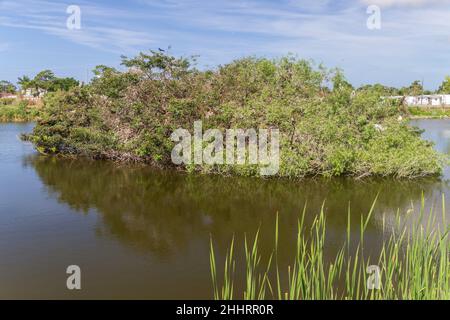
{"x": 404, "y": 3}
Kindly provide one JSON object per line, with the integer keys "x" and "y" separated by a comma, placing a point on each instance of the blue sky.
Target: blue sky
{"x": 413, "y": 42}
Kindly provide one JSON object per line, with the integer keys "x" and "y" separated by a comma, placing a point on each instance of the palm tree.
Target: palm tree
{"x": 25, "y": 82}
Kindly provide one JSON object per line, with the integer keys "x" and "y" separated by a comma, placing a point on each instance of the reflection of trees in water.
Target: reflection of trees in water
{"x": 162, "y": 211}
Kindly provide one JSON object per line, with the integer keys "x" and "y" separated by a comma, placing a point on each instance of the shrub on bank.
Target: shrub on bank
{"x": 326, "y": 127}
{"x": 14, "y": 110}
{"x": 6, "y": 101}
{"x": 433, "y": 113}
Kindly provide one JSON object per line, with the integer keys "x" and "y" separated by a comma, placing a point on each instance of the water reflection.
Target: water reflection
{"x": 161, "y": 211}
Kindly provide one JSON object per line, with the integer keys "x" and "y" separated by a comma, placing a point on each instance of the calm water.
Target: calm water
{"x": 140, "y": 233}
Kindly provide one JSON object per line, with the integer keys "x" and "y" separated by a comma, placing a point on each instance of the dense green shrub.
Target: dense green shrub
{"x": 327, "y": 127}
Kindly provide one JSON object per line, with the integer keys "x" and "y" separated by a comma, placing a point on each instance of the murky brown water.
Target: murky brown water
{"x": 141, "y": 233}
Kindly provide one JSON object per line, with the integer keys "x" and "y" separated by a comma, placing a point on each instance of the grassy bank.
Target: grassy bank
{"x": 17, "y": 111}
{"x": 413, "y": 264}
{"x": 429, "y": 113}
{"x": 327, "y": 128}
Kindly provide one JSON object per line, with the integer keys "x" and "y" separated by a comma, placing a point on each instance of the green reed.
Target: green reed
{"x": 413, "y": 263}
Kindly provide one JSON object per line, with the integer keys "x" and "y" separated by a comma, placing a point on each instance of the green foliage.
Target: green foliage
{"x": 72, "y": 117}
{"x": 7, "y": 101}
{"x": 327, "y": 128}
{"x": 7, "y": 87}
{"x": 13, "y": 110}
{"x": 415, "y": 89}
{"x": 48, "y": 82}
{"x": 63, "y": 84}
{"x": 158, "y": 65}
{"x": 445, "y": 86}
{"x": 25, "y": 82}
{"x": 381, "y": 89}
{"x": 434, "y": 113}
{"x": 112, "y": 83}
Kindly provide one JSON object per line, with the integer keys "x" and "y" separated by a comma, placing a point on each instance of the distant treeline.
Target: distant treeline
{"x": 43, "y": 82}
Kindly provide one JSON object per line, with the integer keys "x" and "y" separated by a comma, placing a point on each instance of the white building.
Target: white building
{"x": 435, "y": 100}
{"x": 31, "y": 94}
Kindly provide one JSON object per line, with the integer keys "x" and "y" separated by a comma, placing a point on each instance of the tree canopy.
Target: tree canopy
{"x": 445, "y": 86}
{"x": 47, "y": 81}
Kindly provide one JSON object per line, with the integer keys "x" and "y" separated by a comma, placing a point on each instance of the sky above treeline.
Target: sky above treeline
{"x": 409, "y": 40}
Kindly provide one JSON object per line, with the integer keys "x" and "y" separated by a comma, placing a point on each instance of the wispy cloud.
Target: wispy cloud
{"x": 405, "y": 3}
{"x": 98, "y": 28}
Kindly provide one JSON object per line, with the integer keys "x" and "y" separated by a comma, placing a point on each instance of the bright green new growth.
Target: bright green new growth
{"x": 414, "y": 263}
{"x": 327, "y": 127}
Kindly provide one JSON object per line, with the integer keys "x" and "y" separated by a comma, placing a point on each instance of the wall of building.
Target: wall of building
{"x": 437, "y": 100}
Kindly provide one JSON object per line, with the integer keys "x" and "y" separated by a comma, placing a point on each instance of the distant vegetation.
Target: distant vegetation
{"x": 43, "y": 82}
{"x": 25, "y": 103}
{"x": 327, "y": 127}
{"x": 445, "y": 86}
{"x": 14, "y": 110}
{"x": 46, "y": 81}
{"x": 7, "y": 87}
{"x": 414, "y": 89}
{"x": 432, "y": 113}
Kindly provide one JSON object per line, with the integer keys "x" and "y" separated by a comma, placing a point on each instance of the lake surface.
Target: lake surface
{"x": 140, "y": 233}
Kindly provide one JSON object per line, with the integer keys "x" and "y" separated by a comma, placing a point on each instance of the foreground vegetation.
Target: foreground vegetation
{"x": 15, "y": 110}
{"x": 327, "y": 128}
{"x": 414, "y": 264}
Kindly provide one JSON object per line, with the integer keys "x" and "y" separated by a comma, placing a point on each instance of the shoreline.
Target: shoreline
{"x": 428, "y": 117}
